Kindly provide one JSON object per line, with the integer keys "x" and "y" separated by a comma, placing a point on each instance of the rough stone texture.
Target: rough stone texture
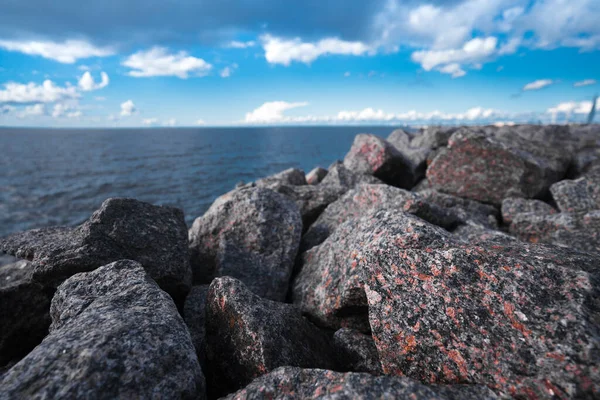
{"x": 442, "y": 311}
{"x": 356, "y": 352}
{"x": 466, "y": 210}
{"x": 579, "y": 195}
{"x": 121, "y": 229}
{"x": 341, "y": 177}
{"x": 433, "y": 137}
{"x": 475, "y": 233}
{"x": 311, "y": 199}
{"x": 24, "y": 312}
{"x": 515, "y": 205}
{"x": 251, "y": 234}
{"x": 315, "y": 176}
{"x": 375, "y": 156}
{"x": 417, "y": 156}
{"x": 248, "y": 336}
{"x": 292, "y": 176}
{"x": 585, "y": 160}
{"x": 364, "y": 198}
{"x": 288, "y": 383}
{"x": 114, "y": 334}
{"x": 489, "y": 169}
{"x": 580, "y": 231}
{"x": 194, "y": 315}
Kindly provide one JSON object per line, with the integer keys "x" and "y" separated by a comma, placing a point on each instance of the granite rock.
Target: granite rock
{"x": 114, "y": 335}
{"x": 339, "y": 176}
{"x": 194, "y": 315}
{"x": 465, "y": 209}
{"x": 356, "y": 352}
{"x": 311, "y": 199}
{"x": 417, "y": 156}
{"x": 433, "y": 137}
{"x": 581, "y": 195}
{"x": 248, "y": 336}
{"x": 291, "y": 176}
{"x": 514, "y": 205}
{"x": 315, "y": 176}
{"x": 251, "y": 234}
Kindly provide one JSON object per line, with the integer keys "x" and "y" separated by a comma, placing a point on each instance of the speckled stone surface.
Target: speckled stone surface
{"x": 24, "y": 312}
{"x": 433, "y": 137}
{"x": 316, "y": 175}
{"x": 356, "y": 352}
{"x": 364, "y": 198}
{"x": 340, "y": 176}
{"x": 121, "y": 229}
{"x": 373, "y": 155}
{"x": 252, "y": 234}
{"x": 114, "y": 335}
{"x": 291, "y": 176}
{"x": 194, "y": 315}
{"x": 450, "y": 312}
{"x": 475, "y": 233}
{"x": 515, "y": 205}
{"x": 248, "y": 336}
{"x": 466, "y": 210}
{"x": 417, "y": 156}
{"x": 481, "y": 167}
{"x": 288, "y": 383}
{"x": 311, "y": 199}
{"x": 581, "y": 195}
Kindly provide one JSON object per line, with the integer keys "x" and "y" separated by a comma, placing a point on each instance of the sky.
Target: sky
{"x": 275, "y": 62}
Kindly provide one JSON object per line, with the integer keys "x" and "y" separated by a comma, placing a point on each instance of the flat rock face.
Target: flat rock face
{"x": 466, "y": 210}
{"x": 292, "y": 176}
{"x": 513, "y": 206}
{"x": 295, "y": 383}
{"x": 315, "y": 176}
{"x": 364, "y": 198}
{"x": 114, "y": 334}
{"x": 375, "y": 156}
{"x": 248, "y": 336}
{"x": 252, "y": 234}
{"x": 194, "y": 314}
{"x": 340, "y": 176}
{"x": 121, "y": 229}
{"x": 356, "y": 352}
{"x": 485, "y": 168}
{"x": 581, "y": 195}
{"x": 433, "y": 137}
{"x": 311, "y": 199}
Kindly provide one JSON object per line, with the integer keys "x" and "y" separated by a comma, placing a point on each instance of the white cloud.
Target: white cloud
{"x": 453, "y": 69}
{"x": 510, "y": 47}
{"x": 83, "y": 68}
{"x": 6, "y": 109}
{"x": 539, "y": 84}
{"x": 47, "y": 92}
{"x": 67, "y": 52}
{"x": 225, "y": 72}
{"x": 74, "y": 114}
{"x": 158, "y": 62}
{"x": 200, "y": 122}
{"x": 170, "y": 122}
{"x": 241, "y": 45}
{"x": 128, "y": 108}
{"x": 150, "y": 121}
{"x": 285, "y": 51}
{"x": 87, "y": 83}
{"x": 573, "y": 107}
{"x": 586, "y": 82}
{"x": 100, "y": 98}
{"x": 271, "y": 112}
{"x": 66, "y": 110}
{"x": 473, "y": 51}
{"x": 35, "y": 110}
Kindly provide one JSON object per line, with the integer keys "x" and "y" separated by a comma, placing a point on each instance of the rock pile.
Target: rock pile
{"x": 447, "y": 263}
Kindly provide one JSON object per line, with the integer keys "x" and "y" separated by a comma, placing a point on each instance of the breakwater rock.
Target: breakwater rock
{"x": 447, "y": 263}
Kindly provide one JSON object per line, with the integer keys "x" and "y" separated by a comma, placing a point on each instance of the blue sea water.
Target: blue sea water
{"x": 59, "y": 177}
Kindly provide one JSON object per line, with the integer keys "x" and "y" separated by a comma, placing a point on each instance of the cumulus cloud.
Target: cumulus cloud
{"x": 150, "y": 121}
{"x": 47, "y": 92}
{"x": 159, "y": 62}
{"x": 6, "y": 109}
{"x": 34, "y": 110}
{"x": 285, "y": 51}
{"x": 87, "y": 83}
{"x": 240, "y": 45}
{"x": 225, "y": 72}
{"x": 453, "y": 69}
{"x": 67, "y": 110}
{"x": 67, "y": 52}
{"x": 573, "y": 107}
{"x": 539, "y": 84}
{"x": 586, "y": 82}
{"x": 200, "y": 122}
{"x": 128, "y": 108}
{"x": 271, "y": 112}
{"x": 472, "y": 52}
{"x": 170, "y": 122}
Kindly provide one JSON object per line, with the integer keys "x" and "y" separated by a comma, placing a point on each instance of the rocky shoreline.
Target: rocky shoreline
{"x": 450, "y": 263}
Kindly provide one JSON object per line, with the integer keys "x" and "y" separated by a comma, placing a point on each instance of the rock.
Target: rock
{"x": 194, "y": 315}
{"x": 341, "y": 177}
{"x": 443, "y": 311}
{"x": 311, "y": 199}
{"x": 289, "y": 383}
{"x": 580, "y": 231}
{"x": 375, "y": 156}
{"x": 364, "y": 198}
{"x": 417, "y": 156}
{"x": 114, "y": 334}
{"x": 24, "y": 312}
{"x": 356, "y": 352}
{"x": 487, "y": 169}
{"x": 292, "y": 176}
{"x": 581, "y": 195}
{"x": 155, "y": 236}
{"x": 248, "y": 336}
{"x": 585, "y": 160}
{"x": 514, "y": 205}
{"x": 433, "y": 137}
{"x": 466, "y": 210}
{"x": 315, "y": 176}
{"x": 251, "y": 234}
{"x": 475, "y": 233}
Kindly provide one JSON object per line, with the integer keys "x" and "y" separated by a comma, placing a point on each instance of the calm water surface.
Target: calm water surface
{"x": 59, "y": 177}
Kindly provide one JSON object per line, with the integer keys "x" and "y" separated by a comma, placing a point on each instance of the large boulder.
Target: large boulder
{"x": 248, "y": 336}
{"x": 373, "y": 155}
{"x": 315, "y": 176}
{"x": 513, "y": 206}
{"x": 288, "y": 383}
{"x": 114, "y": 335}
{"x": 465, "y": 209}
{"x": 486, "y": 168}
{"x": 155, "y": 236}
{"x": 291, "y": 176}
{"x": 338, "y": 176}
{"x": 311, "y": 199}
{"x": 194, "y": 315}
{"x": 417, "y": 156}
{"x": 581, "y": 195}
{"x": 252, "y": 234}
{"x": 356, "y": 352}
{"x": 433, "y": 137}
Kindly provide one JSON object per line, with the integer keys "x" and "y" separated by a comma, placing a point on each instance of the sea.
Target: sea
{"x": 59, "y": 177}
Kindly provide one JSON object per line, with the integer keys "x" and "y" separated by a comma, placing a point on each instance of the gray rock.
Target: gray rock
{"x": 292, "y": 176}
{"x": 581, "y": 195}
{"x": 311, "y": 199}
{"x": 466, "y": 210}
{"x": 433, "y": 137}
{"x": 585, "y": 160}
{"x": 114, "y": 335}
{"x": 121, "y": 229}
{"x": 417, "y": 156}
{"x": 341, "y": 177}
{"x": 248, "y": 336}
{"x": 475, "y": 233}
{"x": 252, "y": 234}
{"x": 194, "y": 315}
{"x": 515, "y": 205}
{"x": 315, "y": 176}
{"x": 288, "y": 383}
{"x": 356, "y": 352}
{"x": 373, "y": 155}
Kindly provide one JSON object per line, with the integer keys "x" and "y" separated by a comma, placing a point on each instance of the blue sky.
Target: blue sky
{"x": 242, "y": 62}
